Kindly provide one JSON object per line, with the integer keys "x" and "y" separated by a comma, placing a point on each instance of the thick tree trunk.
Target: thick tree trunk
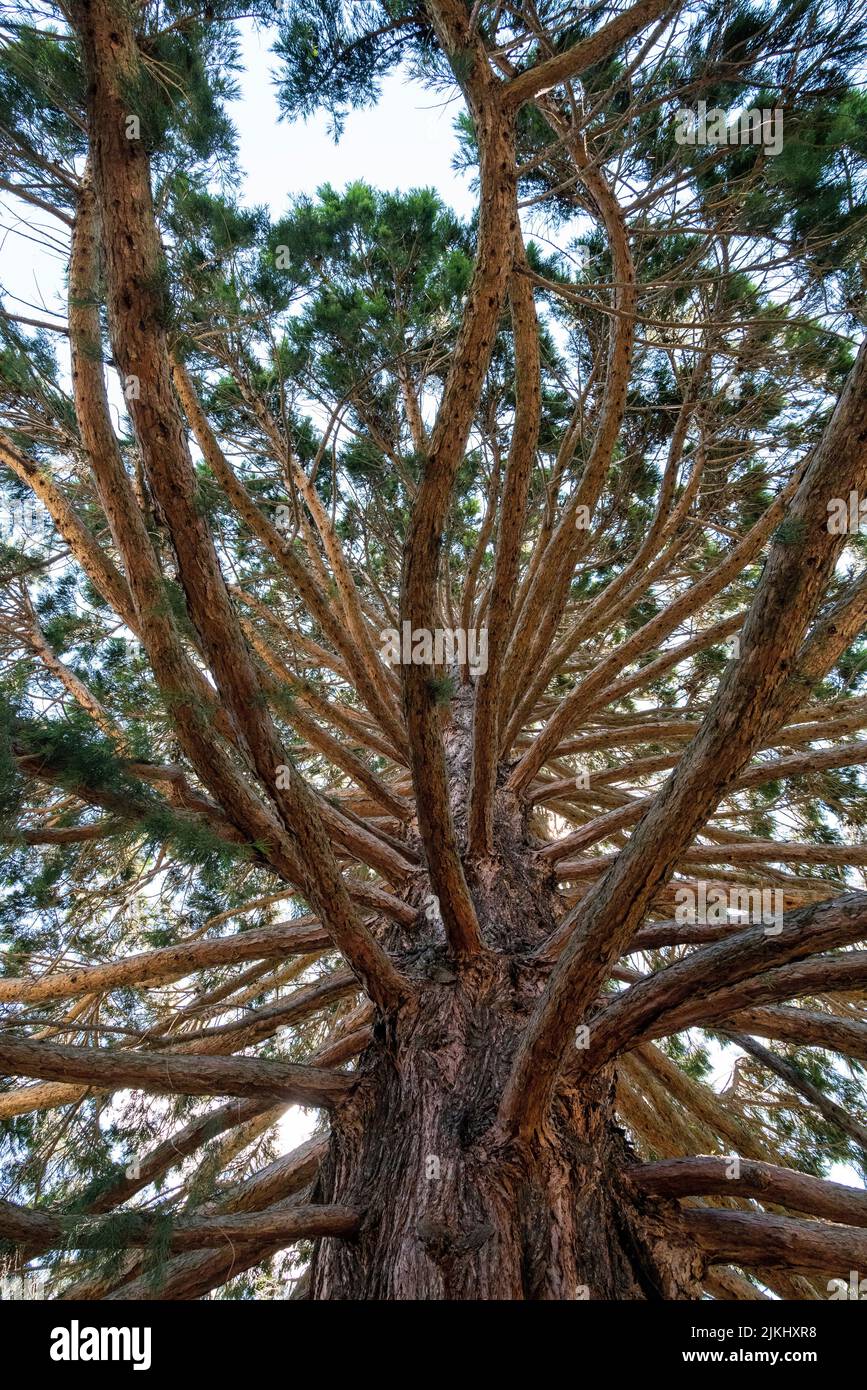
{"x": 448, "y": 1216}
{"x": 451, "y": 1211}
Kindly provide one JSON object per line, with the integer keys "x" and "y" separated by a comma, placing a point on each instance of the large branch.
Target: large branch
{"x": 747, "y": 1239}
{"x": 805, "y": 1027}
{"x": 184, "y": 688}
{"x": 158, "y": 1161}
{"x": 283, "y": 1185}
{"x": 759, "y": 851}
{"x": 172, "y": 1074}
{"x": 167, "y": 963}
{"x": 20, "y": 1224}
{"x": 498, "y": 223}
{"x": 704, "y": 985}
{"x": 584, "y": 54}
{"x": 193, "y": 1275}
{"x": 845, "y": 972}
{"x": 263, "y": 1023}
{"x": 522, "y": 449}
{"x": 83, "y": 545}
{"x": 766, "y": 1182}
{"x": 47, "y": 1095}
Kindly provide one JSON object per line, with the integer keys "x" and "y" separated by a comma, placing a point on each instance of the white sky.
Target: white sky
{"x": 406, "y": 141}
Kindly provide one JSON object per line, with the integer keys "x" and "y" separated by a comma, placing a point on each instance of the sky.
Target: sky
{"x": 406, "y": 141}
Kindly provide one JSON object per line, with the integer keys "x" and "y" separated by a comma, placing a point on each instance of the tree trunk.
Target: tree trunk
{"x": 452, "y": 1211}
{"x": 448, "y": 1214}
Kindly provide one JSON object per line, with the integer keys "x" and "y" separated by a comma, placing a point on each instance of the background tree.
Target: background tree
{"x": 250, "y": 861}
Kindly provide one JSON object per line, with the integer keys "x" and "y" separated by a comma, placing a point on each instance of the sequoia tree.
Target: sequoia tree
{"x": 433, "y": 671}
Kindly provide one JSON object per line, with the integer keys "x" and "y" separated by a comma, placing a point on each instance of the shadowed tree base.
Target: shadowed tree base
{"x": 447, "y": 1215}
{"x": 452, "y": 1211}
